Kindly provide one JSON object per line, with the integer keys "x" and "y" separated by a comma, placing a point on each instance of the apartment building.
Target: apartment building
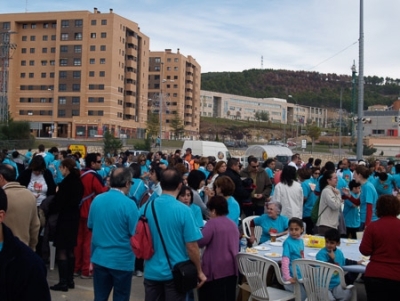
{"x": 76, "y": 74}
{"x": 222, "y": 105}
{"x": 174, "y": 88}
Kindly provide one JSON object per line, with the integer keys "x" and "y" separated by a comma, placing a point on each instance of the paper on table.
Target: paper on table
{"x": 273, "y": 254}
{"x": 262, "y": 248}
{"x": 350, "y": 241}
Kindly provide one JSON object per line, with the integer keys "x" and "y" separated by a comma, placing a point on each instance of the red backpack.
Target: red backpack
{"x": 141, "y": 242}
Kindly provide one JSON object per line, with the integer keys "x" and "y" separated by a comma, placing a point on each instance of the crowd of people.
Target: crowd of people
{"x": 88, "y": 208}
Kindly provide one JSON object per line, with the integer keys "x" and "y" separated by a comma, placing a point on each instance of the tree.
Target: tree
{"x": 111, "y": 144}
{"x": 176, "y": 125}
{"x": 368, "y": 150}
{"x": 314, "y": 132}
{"x": 261, "y": 115}
{"x": 153, "y": 124}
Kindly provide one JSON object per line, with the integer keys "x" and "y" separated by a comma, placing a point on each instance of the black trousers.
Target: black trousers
{"x": 223, "y": 289}
{"x": 379, "y": 289}
{"x": 162, "y": 291}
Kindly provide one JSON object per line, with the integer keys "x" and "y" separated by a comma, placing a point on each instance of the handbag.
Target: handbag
{"x": 184, "y": 273}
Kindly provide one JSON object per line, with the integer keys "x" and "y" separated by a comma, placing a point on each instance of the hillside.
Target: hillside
{"x": 307, "y": 88}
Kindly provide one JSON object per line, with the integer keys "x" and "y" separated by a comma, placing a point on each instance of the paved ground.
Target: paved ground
{"x": 84, "y": 289}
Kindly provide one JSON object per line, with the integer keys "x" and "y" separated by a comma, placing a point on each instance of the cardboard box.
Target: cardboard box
{"x": 244, "y": 292}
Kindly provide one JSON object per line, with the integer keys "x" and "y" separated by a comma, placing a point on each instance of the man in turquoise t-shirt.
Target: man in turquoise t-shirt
{"x": 112, "y": 219}
{"x": 180, "y": 234}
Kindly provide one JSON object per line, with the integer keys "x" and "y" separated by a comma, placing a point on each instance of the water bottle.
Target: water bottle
{"x": 243, "y": 244}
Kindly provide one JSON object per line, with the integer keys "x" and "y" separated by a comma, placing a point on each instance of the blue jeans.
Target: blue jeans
{"x": 105, "y": 279}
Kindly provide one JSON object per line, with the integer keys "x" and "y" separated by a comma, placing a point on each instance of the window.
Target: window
{"x": 76, "y": 100}
{"x": 44, "y": 63}
{"x": 101, "y": 87}
{"x": 54, "y": 25}
{"x": 63, "y": 48}
{"x": 23, "y": 63}
{"x": 93, "y": 35}
{"x": 43, "y": 87}
{"x": 23, "y": 50}
{"x": 168, "y": 59}
{"x": 103, "y": 48}
{"x": 157, "y": 68}
{"x": 22, "y": 75}
{"x": 6, "y": 25}
{"x": 102, "y": 61}
{"x": 43, "y": 75}
{"x": 44, "y": 50}
{"x": 91, "y": 99}
{"x": 42, "y": 112}
{"x": 78, "y": 48}
{"x": 103, "y": 35}
{"x": 43, "y": 100}
{"x": 24, "y": 26}
{"x": 45, "y": 38}
{"x": 76, "y": 87}
{"x": 53, "y": 50}
{"x": 168, "y": 68}
{"x": 90, "y": 113}
{"x": 52, "y": 62}
{"x": 77, "y": 61}
{"x": 31, "y": 75}
{"x": 33, "y": 25}
{"x": 61, "y": 113}
{"x": 100, "y": 113}
{"x": 103, "y": 22}
{"x": 62, "y": 87}
{"x": 64, "y": 23}
{"x": 33, "y": 38}
{"x": 92, "y": 61}
{"x": 64, "y": 37}
{"x": 175, "y": 68}
{"x": 91, "y": 73}
{"x": 101, "y": 99}
{"x": 79, "y": 23}
{"x": 175, "y": 95}
{"x": 53, "y": 37}
{"x": 63, "y": 62}
{"x": 45, "y": 25}
{"x": 157, "y": 60}
{"x": 31, "y": 63}
{"x": 102, "y": 73}
{"x": 62, "y": 100}
{"x": 93, "y": 22}
{"x": 92, "y": 48}
{"x": 24, "y": 38}
{"x": 175, "y": 76}
{"x": 51, "y": 75}
{"x": 62, "y": 74}
{"x": 78, "y": 36}
{"x": 76, "y": 74}
{"x": 75, "y": 112}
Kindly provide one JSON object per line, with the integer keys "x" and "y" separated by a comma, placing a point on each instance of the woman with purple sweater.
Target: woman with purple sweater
{"x": 221, "y": 239}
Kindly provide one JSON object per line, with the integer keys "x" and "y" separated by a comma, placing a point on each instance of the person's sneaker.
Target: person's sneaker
{"x": 139, "y": 273}
{"x": 77, "y": 274}
{"x": 86, "y": 276}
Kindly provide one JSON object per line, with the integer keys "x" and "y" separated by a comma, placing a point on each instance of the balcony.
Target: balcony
{"x": 130, "y": 111}
{"x": 130, "y": 87}
{"x": 130, "y": 99}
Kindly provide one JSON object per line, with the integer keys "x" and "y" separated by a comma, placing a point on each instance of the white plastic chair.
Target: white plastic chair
{"x": 255, "y": 269}
{"x": 316, "y": 276}
{"x": 247, "y": 231}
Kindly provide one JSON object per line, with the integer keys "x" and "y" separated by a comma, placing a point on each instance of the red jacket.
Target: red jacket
{"x": 92, "y": 186}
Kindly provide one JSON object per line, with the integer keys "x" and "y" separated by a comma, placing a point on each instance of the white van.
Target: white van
{"x": 207, "y": 148}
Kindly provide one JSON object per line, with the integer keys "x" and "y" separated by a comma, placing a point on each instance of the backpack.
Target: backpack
{"x": 141, "y": 241}
{"x": 314, "y": 212}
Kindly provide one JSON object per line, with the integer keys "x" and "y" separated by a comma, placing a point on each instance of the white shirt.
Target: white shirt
{"x": 293, "y": 164}
{"x": 291, "y": 198}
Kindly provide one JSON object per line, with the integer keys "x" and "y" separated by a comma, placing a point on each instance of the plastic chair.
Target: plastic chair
{"x": 316, "y": 276}
{"x": 255, "y": 269}
{"x": 247, "y": 231}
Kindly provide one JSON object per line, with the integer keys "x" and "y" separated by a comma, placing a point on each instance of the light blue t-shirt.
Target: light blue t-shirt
{"x": 137, "y": 190}
{"x": 384, "y": 187}
{"x": 13, "y": 164}
{"x": 281, "y": 223}
{"x": 198, "y": 217}
{"x": 58, "y": 177}
{"x": 323, "y": 255}
{"x": 368, "y": 196}
{"x": 178, "y": 227}
{"x": 234, "y": 210}
{"x": 113, "y": 218}
{"x": 347, "y": 175}
{"x": 340, "y": 184}
{"x": 396, "y": 179}
{"x": 293, "y": 249}
{"x": 310, "y": 196}
{"x": 1, "y": 246}
{"x": 351, "y": 213}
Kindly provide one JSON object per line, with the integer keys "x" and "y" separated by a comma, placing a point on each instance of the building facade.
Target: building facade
{"x": 77, "y": 74}
{"x": 174, "y": 91}
{"x": 222, "y": 105}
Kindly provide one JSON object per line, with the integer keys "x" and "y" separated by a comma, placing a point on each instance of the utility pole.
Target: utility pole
{"x": 360, "y": 133}
{"x": 353, "y": 99}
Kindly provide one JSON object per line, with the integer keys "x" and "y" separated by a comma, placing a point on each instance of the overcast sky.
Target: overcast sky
{"x": 232, "y": 35}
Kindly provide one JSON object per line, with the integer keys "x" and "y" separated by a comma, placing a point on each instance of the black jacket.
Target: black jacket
{"x": 241, "y": 194}
{"x": 22, "y": 272}
{"x": 25, "y": 177}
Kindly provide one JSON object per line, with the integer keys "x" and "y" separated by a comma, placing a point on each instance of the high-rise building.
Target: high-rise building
{"x": 77, "y": 73}
{"x": 174, "y": 90}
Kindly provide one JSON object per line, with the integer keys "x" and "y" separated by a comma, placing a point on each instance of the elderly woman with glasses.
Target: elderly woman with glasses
{"x": 271, "y": 221}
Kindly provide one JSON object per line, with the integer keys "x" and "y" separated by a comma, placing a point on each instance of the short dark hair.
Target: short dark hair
{"x": 304, "y": 173}
{"x": 353, "y": 184}
{"x": 332, "y": 235}
{"x": 194, "y": 179}
{"x": 219, "y": 204}
{"x": 226, "y": 184}
{"x": 170, "y": 179}
{"x": 383, "y": 176}
{"x": 120, "y": 176}
{"x": 317, "y": 162}
{"x": 90, "y": 157}
{"x": 232, "y": 162}
{"x": 297, "y": 221}
{"x": 329, "y": 166}
{"x": 3, "y": 200}
{"x": 182, "y": 192}
{"x": 136, "y": 170}
{"x": 387, "y": 205}
{"x": 268, "y": 162}
{"x": 251, "y": 159}
{"x": 155, "y": 166}
{"x": 53, "y": 150}
{"x": 8, "y": 172}
{"x": 37, "y": 164}
{"x": 363, "y": 171}
{"x": 41, "y": 148}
